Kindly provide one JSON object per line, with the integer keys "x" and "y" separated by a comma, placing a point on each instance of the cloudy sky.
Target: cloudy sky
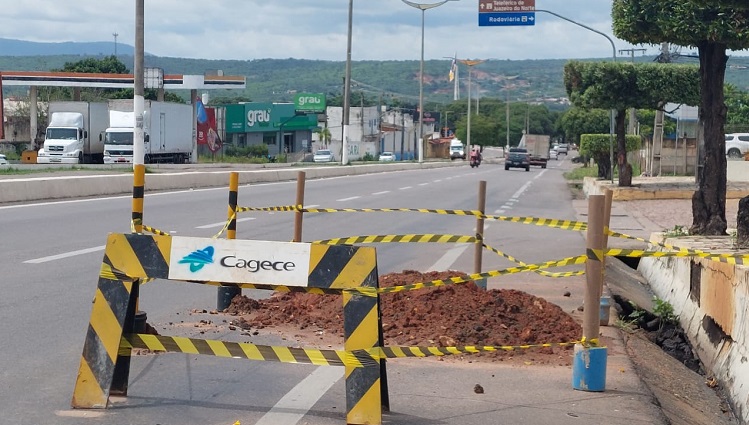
{"x": 317, "y": 29}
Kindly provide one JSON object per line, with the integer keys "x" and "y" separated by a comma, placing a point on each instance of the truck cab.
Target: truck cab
{"x": 64, "y": 140}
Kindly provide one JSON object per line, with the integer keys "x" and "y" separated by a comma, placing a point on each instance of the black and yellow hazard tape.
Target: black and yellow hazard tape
{"x": 541, "y": 272}
{"x": 484, "y": 275}
{"x": 424, "y": 238}
{"x": 662, "y": 245}
{"x": 320, "y": 357}
{"x": 723, "y": 258}
{"x": 417, "y": 351}
{"x": 160, "y": 343}
{"x": 546, "y": 222}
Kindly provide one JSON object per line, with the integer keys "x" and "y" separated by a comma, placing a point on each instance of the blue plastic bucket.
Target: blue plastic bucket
{"x": 589, "y": 368}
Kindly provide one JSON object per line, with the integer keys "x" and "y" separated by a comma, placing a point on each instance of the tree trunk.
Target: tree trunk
{"x": 709, "y": 201}
{"x": 625, "y": 169}
{"x": 604, "y": 166}
{"x": 742, "y": 224}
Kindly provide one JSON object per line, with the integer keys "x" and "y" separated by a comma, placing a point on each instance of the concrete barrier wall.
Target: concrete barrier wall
{"x": 712, "y": 302}
{"x": 50, "y": 188}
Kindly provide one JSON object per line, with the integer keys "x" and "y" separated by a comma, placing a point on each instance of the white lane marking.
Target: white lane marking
{"x": 540, "y": 174}
{"x": 348, "y": 199}
{"x": 405, "y": 188}
{"x": 223, "y": 223}
{"x": 437, "y": 181}
{"x": 521, "y": 190}
{"x": 423, "y": 184}
{"x": 296, "y": 403}
{"x": 65, "y": 255}
{"x": 311, "y": 206}
{"x": 381, "y": 193}
{"x": 449, "y": 258}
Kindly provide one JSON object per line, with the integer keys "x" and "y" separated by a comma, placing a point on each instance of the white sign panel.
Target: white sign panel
{"x": 239, "y": 261}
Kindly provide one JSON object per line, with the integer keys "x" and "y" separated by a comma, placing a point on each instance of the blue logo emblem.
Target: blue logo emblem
{"x": 198, "y": 259}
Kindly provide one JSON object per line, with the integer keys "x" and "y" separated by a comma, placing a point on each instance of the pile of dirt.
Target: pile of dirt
{"x": 452, "y": 315}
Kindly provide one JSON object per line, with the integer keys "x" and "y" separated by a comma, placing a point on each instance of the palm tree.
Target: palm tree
{"x": 324, "y": 135}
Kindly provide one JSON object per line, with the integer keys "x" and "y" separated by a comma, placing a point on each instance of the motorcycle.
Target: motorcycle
{"x": 475, "y": 161}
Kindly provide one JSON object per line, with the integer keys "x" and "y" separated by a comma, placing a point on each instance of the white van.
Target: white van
{"x": 457, "y": 150}
{"x": 737, "y": 144}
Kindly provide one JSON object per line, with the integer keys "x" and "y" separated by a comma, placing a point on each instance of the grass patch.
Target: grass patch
{"x": 592, "y": 171}
{"x": 6, "y": 171}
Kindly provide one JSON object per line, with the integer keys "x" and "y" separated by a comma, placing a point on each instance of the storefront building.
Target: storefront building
{"x": 277, "y": 125}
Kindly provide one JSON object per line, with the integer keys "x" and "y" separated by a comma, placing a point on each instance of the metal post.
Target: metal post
{"x": 347, "y": 88}
{"x": 138, "y": 89}
{"x": 139, "y": 182}
{"x": 468, "y": 123}
{"x": 421, "y": 93}
{"x": 299, "y": 215}
{"x": 227, "y": 293}
{"x": 479, "y": 245}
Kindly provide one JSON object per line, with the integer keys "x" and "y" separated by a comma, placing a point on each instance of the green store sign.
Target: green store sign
{"x": 261, "y": 117}
{"x": 310, "y": 102}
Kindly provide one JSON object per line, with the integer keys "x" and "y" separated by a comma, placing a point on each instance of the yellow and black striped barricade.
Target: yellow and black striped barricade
{"x": 132, "y": 258}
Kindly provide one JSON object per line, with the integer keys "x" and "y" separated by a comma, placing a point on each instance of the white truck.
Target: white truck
{"x": 538, "y": 147}
{"x": 167, "y": 127}
{"x": 457, "y": 150}
{"x": 74, "y": 133}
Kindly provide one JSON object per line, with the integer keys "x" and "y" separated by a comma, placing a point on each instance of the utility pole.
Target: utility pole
{"x": 664, "y": 57}
{"x": 632, "y": 112}
{"x": 115, "y": 43}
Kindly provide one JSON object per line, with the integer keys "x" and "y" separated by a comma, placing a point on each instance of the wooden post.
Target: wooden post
{"x": 594, "y": 266}
{"x": 298, "y": 216}
{"x": 479, "y": 245}
{"x": 589, "y": 359}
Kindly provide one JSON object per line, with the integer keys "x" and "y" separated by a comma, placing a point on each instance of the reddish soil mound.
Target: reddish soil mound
{"x": 452, "y": 315}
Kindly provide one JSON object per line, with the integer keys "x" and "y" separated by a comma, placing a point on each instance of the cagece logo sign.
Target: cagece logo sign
{"x": 310, "y": 102}
{"x": 257, "y": 116}
{"x": 239, "y": 261}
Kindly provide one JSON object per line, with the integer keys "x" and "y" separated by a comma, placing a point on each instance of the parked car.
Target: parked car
{"x": 3, "y": 159}
{"x": 387, "y": 157}
{"x": 518, "y": 158}
{"x": 737, "y": 144}
{"x": 323, "y": 155}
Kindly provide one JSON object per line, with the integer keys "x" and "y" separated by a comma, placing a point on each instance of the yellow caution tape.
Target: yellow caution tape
{"x": 541, "y": 272}
{"x": 425, "y": 238}
{"x": 354, "y": 358}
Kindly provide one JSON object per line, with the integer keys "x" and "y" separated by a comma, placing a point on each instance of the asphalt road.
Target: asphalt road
{"x": 51, "y": 254}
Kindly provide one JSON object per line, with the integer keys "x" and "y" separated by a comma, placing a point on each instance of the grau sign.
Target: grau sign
{"x": 310, "y": 102}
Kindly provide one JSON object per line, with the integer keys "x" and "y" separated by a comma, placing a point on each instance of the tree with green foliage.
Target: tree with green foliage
{"x": 597, "y": 146}
{"x": 737, "y": 113}
{"x": 712, "y": 30}
{"x": 577, "y": 121}
{"x": 619, "y": 86}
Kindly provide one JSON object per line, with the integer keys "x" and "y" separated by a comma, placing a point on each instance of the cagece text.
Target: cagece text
{"x": 257, "y": 265}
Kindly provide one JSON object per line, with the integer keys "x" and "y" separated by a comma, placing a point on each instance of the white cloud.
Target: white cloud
{"x": 316, "y": 29}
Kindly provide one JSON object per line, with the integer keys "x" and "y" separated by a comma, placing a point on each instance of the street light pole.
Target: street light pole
{"x": 347, "y": 89}
{"x": 470, "y": 64}
{"x": 423, "y": 7}
{"x": 612, "y": 122}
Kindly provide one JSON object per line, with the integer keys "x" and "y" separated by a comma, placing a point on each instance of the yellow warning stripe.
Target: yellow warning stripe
{"x": 108, "y": 273}
{"x": 423, "y": 238}
{"x": 155, "y": 231}
{"x": 354, "y": 358}
{"x": 547, "y": 222}
{"x": 663, "y": 245}
{"x": 723, "y": 258}
{"x": 541, "y": 272}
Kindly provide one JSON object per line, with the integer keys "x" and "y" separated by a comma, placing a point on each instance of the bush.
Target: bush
{"x": 368, "y": 157}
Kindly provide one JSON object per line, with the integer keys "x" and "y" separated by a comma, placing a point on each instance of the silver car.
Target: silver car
{"x": 323, "y": 155}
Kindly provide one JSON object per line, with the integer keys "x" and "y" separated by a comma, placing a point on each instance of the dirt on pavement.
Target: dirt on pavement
{"x": 444, "y": 316}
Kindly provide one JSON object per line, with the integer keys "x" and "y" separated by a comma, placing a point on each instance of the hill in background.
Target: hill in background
{"x": 277, "y": 80}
